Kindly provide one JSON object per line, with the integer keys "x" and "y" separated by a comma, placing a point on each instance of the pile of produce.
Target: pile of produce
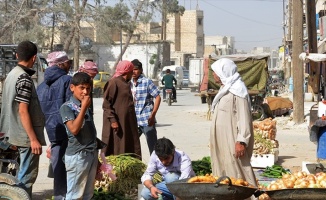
{"x": 299, "y": 180}
{"x": 209, "y": 178}
{"x": 275, "y": 171}
{"x": 265, "y": 134}
{"x": 128, "y": 171}
{"x": 202, "y": 167}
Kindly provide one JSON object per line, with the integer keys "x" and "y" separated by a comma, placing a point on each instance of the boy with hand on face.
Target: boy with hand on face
{"x": 81, "y": 157}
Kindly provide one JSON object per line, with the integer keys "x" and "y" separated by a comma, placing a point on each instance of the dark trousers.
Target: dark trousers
{"x": 58, "y": 150}
{"x": 174, "y": 93}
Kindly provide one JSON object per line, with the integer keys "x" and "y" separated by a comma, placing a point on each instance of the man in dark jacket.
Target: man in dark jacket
{"x": 52, "y": 93}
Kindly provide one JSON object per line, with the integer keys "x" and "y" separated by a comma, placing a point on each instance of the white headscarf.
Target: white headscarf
{"x": 226, "y": 69}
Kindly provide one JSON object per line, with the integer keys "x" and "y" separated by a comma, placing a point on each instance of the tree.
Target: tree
{"x": 20, "y": 20}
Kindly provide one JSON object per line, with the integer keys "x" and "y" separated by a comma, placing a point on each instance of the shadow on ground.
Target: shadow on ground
{"x": 44, "y": 195}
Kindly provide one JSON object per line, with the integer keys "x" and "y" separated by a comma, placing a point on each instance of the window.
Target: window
{"x": 200, "y": 21}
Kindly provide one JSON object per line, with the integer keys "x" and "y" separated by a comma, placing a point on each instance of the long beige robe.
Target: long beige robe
{"x": 232, "y": 122}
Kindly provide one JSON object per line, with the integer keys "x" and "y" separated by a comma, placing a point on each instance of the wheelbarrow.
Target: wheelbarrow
{"x": 206, "y": 191}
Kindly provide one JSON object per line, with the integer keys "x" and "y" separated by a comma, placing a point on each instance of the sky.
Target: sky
{"x": 252, "y": 23}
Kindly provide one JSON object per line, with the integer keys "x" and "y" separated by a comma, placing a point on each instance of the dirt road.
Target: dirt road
{"x": 186, "y": 125}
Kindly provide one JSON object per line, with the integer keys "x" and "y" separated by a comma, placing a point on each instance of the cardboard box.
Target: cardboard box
{"x": 264, "y": 160}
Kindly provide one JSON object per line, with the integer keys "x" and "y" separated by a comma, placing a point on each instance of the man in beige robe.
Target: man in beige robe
{"x": 231, "y": 137}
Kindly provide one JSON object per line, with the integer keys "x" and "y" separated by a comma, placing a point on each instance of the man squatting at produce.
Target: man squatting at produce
{"x": 171, "y": 163}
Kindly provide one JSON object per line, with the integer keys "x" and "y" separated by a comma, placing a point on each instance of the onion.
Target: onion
{"x": 274, "y": 187}
{"x": 304, "y": 184}
{"x": 293, "y": 178}
{"x": 321, "y": 177}
{"x": 323, "y": 183}
{"x": 288, "y": 184}
{"x": 312, "y": 181}
{"x": 320, "y": 174}
{"x": 299, "y": 174}
{"x": 286, "y": 176}
{"x": 298, "y": 181}
{"x": 311, "y": 177}
{"x": 312, "y": 186}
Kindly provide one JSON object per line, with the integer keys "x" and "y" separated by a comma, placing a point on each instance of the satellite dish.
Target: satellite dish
{"x": 86, "y": 44}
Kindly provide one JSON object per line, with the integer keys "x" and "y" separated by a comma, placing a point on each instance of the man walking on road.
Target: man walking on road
{"x": 54, "y": 92}
{"x": 144, "y": 92}
{"x": 22, "y": 119}
{"x": 168, "y": 80}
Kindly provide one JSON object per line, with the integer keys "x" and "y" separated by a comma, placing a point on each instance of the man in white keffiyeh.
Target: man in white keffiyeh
{"x": 231, "y": 134}
{"x": 231, "y": 81}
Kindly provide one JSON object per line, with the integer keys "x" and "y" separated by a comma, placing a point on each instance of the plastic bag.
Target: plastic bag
{"x": 105, "y": 168}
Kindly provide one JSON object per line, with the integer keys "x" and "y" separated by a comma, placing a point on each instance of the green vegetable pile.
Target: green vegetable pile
{"x": 202, "y": 167}
{"x": 275, "y": 171}
{"x": 128, "y": 170}
{"x": 101, "y": 195}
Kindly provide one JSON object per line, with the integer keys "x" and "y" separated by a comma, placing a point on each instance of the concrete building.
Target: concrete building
{"x": 186, "y": 35}
{"x": 184, "y": 39}
{"x": 220, "y": 45}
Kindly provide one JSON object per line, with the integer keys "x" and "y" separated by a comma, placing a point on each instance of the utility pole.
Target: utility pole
{"x": 121, "y": 30}
{"x": 284, "y": 40}
{"x": 298, "y": 100}
{"x": 314, "y": 72}
{"x": 77, "y": 34}
{"x": 164, "y": 13}
{"x": 288, "y": 72}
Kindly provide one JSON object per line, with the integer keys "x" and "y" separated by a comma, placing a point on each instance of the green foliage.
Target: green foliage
{"x": 103, "y": 195}
{"x": 172, "y": 6}
{"x": 128, "y": 170}
{"x": 152, "y": 59}
{"x": 202, "y": 167}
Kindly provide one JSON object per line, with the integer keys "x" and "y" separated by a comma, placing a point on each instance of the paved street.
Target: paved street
{"x": 185, "y": 124}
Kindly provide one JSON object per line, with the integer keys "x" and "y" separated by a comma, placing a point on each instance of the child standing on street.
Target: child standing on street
{"x": 81, "y": 157}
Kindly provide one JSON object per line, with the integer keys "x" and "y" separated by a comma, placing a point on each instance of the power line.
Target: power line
{"x": 259, "y": 40}
{"x": 242, "y": 17}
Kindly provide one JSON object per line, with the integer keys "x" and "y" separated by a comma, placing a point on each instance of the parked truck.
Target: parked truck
{"x": 8, "y": 61}
{"x": 196, "y": 73}
{"x": 253, "y": 70}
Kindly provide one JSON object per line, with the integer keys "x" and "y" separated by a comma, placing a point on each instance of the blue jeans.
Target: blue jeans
{"x": 81, "y": 171}
{"x": 151, "y": 136}
{"x": 166, "y": 194}
{"x": 58, "y": 150}
{"x": 28, "y": 168}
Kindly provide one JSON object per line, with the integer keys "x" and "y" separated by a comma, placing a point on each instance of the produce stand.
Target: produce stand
{"x": 265, "y": 151}
{"x": 317, "y": 125}
{"x": 208, "y": 191}
{"x": 298, "y": 194}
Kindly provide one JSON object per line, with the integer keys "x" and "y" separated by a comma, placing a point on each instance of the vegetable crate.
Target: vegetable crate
{"x": 264, "y": 160}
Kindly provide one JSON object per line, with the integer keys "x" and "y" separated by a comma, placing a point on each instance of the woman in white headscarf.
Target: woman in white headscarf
{"x": 232, "y": 137}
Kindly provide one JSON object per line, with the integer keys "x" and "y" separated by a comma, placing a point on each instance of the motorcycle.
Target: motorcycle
{"x": 169, "y": 99}
{"x": 9, "y": 166}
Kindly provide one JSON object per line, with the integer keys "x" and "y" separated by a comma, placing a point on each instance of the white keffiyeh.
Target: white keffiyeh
{"x": 226, "y": 69}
